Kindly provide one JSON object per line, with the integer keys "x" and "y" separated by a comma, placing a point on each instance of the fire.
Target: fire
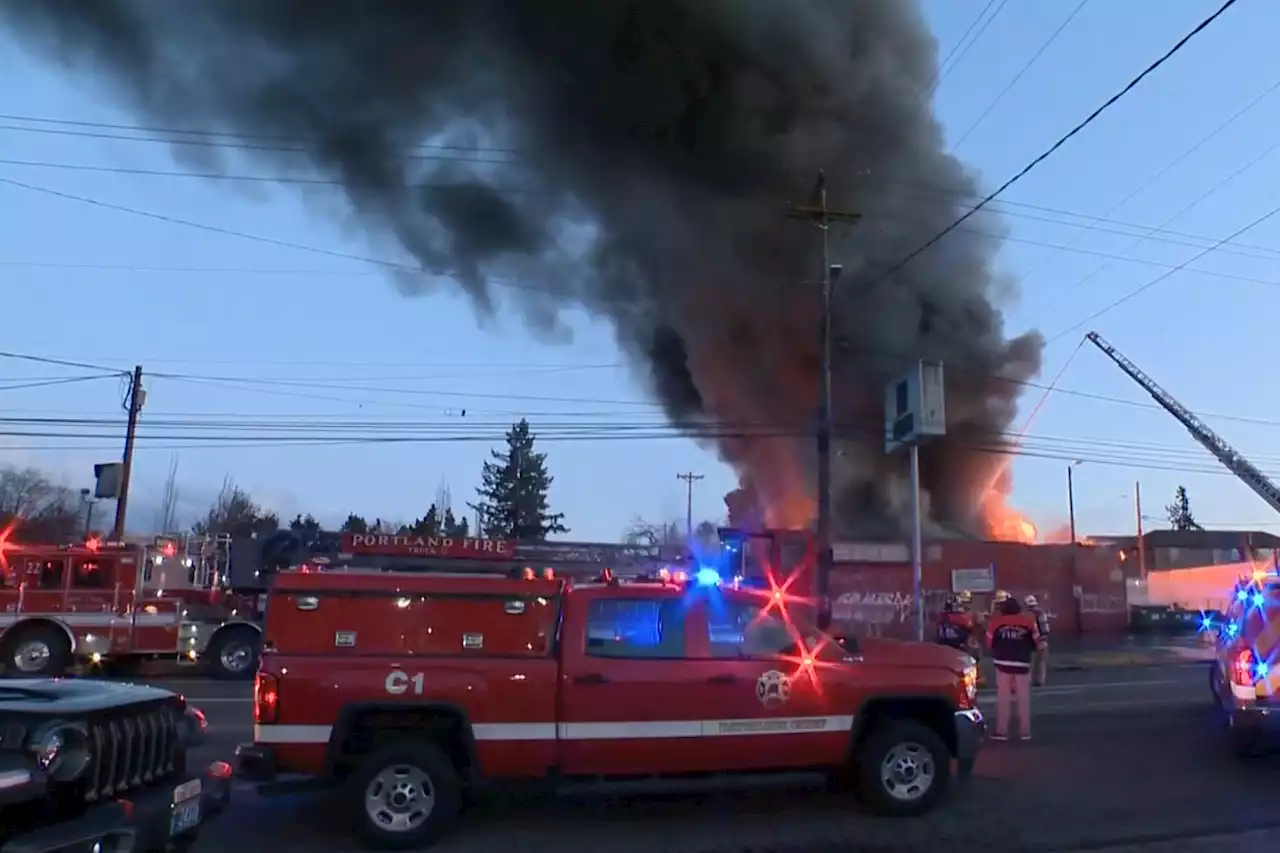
{"x": 1006, "y": 524}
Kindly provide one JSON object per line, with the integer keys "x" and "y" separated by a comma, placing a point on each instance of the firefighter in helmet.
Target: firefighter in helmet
{"x": 955, "y": 626}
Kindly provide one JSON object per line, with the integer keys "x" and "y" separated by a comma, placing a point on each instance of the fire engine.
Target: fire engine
{"x": 114, "y": 605}
{"x": 409, "y": 690}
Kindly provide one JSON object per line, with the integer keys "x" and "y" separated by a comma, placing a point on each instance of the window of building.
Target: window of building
{"x": 636, "y": 628}
{"x": 739, "y": 630}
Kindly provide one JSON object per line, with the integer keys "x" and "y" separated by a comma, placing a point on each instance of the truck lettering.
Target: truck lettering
{"x": 399, "y": 682}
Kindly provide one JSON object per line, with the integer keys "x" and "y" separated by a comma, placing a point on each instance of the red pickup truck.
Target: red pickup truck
{"x": 412, "y": 690}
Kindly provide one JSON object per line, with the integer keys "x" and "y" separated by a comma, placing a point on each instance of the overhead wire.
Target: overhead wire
{"x": 1035, "y": 57}
{"x": 1151, "y": 181}
{"x": 1056, "y": 146}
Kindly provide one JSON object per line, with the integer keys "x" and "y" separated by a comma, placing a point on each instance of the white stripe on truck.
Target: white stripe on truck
{"x": 637, "y": 730}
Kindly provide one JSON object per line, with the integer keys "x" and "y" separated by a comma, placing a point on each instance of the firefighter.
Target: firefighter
{"x": 1040, "y": 665}
{"x": 1013, "y": 638}
{"x": 955, "y": 626}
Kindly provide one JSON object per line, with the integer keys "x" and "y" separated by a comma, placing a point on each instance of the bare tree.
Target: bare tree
{"x": 166, "y": 517}
{"x": 641, "y": 532}
{"x": 235, "y": 513}
{"x": 23, "y": 491}
{"x": 46, "y": 511}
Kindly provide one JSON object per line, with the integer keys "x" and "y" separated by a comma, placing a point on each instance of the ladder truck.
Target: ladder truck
{"x": 1200, "y": 431}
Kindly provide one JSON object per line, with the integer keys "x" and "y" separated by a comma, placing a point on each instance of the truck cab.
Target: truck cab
{"x": 412, "y": 690}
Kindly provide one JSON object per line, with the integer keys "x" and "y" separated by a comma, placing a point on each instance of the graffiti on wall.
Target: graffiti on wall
{"x": 875, "y": 612}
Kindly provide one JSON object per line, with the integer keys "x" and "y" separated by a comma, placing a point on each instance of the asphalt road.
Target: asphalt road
{"x": 1121, "y": 760}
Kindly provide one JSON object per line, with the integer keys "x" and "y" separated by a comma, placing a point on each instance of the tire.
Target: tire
{"x": 419, "y": 764}
{"x": 233, "y": 654}
{"x": 44, "y": 649}
{"x": 894, "y": 749}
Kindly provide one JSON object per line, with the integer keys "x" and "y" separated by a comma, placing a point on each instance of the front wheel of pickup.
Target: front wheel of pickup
{"x": 904, "y": 768}
{"x": 404, "y": 795}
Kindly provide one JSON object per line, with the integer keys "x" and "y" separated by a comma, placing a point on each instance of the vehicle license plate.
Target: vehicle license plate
{"x": 186, "y": 807}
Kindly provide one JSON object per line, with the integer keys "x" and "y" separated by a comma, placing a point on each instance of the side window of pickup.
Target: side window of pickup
{"x": 740, "y": 630}
{"x": 635, "y": 628}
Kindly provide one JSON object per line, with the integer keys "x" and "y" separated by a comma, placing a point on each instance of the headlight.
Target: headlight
{"x": 61, "y": 750}
{"x": 971, "y": 681}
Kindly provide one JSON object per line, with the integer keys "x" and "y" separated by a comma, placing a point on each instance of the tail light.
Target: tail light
{"x": 266, "y": 698}
{"x": 1242, "y": 669}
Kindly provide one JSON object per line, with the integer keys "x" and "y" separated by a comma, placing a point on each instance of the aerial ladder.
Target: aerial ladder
{"x": 1200, "y": 431}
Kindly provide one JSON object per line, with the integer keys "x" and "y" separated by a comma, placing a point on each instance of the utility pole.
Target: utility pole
{"x": 133, "y": 403}
{"x": 1071, "y": 500}
{"x": 820, "y": 214}
{"x": 1142, "y": 545}
{"x": 689, "y": 479}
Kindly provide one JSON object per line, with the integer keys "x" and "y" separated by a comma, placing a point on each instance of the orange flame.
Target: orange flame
{"x": 1005, "y": 524}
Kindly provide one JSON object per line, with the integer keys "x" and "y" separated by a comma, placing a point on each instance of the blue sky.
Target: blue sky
{"x": 280, "y": 337}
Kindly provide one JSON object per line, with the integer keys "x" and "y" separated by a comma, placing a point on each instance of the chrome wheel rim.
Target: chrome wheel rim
{"x": 400, "y": 798}
{"x": 32, "y": 656}
{"x": 908, "y": 772}
{"x": 236, "y": 657}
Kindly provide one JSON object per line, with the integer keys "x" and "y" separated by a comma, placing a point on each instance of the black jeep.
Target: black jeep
{"x": 100, "y": 767}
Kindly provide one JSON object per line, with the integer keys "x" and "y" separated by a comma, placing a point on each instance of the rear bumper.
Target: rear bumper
{"x": 1259, "y": 720}
{"x": 140, "y": 824}
{"x": 971, "y": 733}
{"x": 256, "y": 763}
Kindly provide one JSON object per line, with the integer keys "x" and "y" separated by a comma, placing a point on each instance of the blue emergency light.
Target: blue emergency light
{"x": 706, "y": 577}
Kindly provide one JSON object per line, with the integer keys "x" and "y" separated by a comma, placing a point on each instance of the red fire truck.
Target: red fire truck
{"x": 113, "y": 605}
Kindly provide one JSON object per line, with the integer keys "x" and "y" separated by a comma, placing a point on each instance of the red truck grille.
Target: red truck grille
{"x": 129, "y": 749}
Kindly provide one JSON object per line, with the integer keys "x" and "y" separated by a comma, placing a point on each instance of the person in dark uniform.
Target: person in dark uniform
{"x": 955, "y": 626}
{"x": 1013, "y": 637}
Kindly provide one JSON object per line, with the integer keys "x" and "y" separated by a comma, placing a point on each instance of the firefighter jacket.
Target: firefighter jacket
{"x": 955, "y": 629}
{"x": 1013, "y": 640}
{"x": 1042, "y": 622}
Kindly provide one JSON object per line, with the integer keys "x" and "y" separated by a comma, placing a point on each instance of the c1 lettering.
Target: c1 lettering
{"x": 399, "y": 682}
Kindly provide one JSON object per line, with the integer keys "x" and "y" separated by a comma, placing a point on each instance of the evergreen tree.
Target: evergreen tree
{"x": 355, "y": 524}
{"x": 451, "y": 526}
{"x": 513, "y": 494}
{"x": 304, "y": 522}
{"x": 429, "y": 524}
{"x": 1180, "y": 517}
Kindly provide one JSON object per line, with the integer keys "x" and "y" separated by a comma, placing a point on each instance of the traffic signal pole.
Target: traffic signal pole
{"x": 134, "y": 403}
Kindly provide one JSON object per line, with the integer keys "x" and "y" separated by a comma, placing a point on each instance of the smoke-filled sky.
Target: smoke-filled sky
{"x": 678, "y": 131}
{"x": 636, "y": 164}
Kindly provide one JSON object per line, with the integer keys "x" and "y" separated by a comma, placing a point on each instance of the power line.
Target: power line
{"x": 219, "y": 134}
{"x": 1071, "y": 288}
{"x": 1061, "y": 142}
{"x": 58, "y": 362}
{"x": 1150, "y": 284}
{"x": 456, "y": 155}
{"x": 1017, "y": 77}
{"x": 1166, "y": 169}
{"x": 48, "y": 383}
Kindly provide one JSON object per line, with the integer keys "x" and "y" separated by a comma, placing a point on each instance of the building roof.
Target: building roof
{"x": 1195, "y": 539}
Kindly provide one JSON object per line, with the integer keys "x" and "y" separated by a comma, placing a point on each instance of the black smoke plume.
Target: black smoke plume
{"x": 648, "y": 150}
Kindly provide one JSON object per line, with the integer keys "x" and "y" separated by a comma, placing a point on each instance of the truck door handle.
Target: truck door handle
{"x": 590, "y": 678}
{"x": 723, "y": 678}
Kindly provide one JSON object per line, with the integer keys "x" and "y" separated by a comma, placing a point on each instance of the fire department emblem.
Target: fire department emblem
{"x": 773, "y": 689}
